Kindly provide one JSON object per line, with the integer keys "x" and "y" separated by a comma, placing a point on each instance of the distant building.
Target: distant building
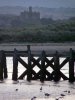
{"x": 25, "y": 18}
{"x": 30, "y": 17}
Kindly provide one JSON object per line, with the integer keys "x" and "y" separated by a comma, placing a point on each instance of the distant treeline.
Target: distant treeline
{"x": 12, "y": 21}
{"x": 48, "y": 31}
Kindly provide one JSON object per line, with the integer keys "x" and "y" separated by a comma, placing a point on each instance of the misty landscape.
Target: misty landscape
{"x": 37, "y": 24}
{"x": 37, "y": 49}
{"x": 45, "y": 12}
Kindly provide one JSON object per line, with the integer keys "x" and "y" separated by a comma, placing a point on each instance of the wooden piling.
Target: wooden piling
{"x": 71, "y": 66}
{"x": 5, "y": 66}
{"x": 42, "y": 73}
{"x": 29, "y": 69}
{"x": 28, "y": 48}
{"x": 56, "y": 67}
{"x": 1, "y": 66}
{"x": 15, "y": 65}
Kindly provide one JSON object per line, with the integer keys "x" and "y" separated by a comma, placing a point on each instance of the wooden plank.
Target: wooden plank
{"x": 63, "y": 76}
{"x": 22, "y": 62}
{"x": 23, "y": 75}
{"x": 36, "y": 62}
{"x": 49, "y": 63}
{"x": 64, "y": 62}
{"x": 37, "y": 75}
{"x": 26, "y": 65}
{"x": 49, "y": 76}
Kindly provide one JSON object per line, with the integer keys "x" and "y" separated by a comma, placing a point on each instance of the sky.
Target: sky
{"x": 40, "y": 3}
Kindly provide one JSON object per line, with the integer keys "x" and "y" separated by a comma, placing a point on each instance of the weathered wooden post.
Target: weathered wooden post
{"x": 4, "y": 65}
{"x": 56, "y": 67}
{"x": 1, "y": 66}
{"x": 29, "y": 68}
{"x": 15, "y": 66}
{"x": 71, "y": 66}
{"x": 42, "y": 74}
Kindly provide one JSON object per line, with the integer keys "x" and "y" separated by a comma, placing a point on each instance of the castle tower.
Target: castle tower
{"x": 30, "y": 9}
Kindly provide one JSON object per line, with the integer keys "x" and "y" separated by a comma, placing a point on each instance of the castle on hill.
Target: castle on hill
{"x": 29, "y": 17}
{"x": 30, "y": 14}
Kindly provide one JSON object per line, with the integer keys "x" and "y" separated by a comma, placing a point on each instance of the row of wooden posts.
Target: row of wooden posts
{"x": 43, "y": 74}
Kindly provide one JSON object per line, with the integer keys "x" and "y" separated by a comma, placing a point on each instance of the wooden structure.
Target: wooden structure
{"x": 3, "y": 67}
{"x": 42, "y": 62}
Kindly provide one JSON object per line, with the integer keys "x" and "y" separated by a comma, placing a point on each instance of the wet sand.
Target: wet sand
{"x": 35, "y": 90}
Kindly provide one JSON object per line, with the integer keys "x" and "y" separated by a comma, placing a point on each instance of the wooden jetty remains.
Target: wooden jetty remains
{"x": 42, "y": 62}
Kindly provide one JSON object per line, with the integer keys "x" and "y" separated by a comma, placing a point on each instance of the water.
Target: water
{"x": 23, "y": 90}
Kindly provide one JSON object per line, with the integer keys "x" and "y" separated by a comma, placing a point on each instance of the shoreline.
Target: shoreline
{"x": 40, "y": 44}
{"x": 38, "y": 47}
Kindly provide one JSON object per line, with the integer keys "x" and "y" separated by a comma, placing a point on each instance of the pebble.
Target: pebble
{"x": 57, "y": 99}
{"x": 68, "y": 91}
{"x": 41, "y": 88}
{"x": 65, "y": 91}
{"x": 62, "y": 94}
{"x": 47, "y": 94}
{"x": 16, "y": 89}
{"x": 33, "y": 98}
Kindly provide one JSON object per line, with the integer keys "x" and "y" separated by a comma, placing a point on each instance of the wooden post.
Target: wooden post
{"x": 4, "y": 65}
{"x": 29, "y": 69}
{"x": 1, "y": 66}
{"x": 56, "y": 67}
{"x": 15, "y": 66}
{"x": 42, "y": 73}
{"x": 71, "y": 66}
{"x": 28, "y": 48}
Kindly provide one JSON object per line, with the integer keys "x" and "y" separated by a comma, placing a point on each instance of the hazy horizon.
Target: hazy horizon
{"x": 39, "y": 3}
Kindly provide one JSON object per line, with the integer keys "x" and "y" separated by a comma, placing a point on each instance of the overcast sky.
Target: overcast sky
{"x": 42, "y": 3}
